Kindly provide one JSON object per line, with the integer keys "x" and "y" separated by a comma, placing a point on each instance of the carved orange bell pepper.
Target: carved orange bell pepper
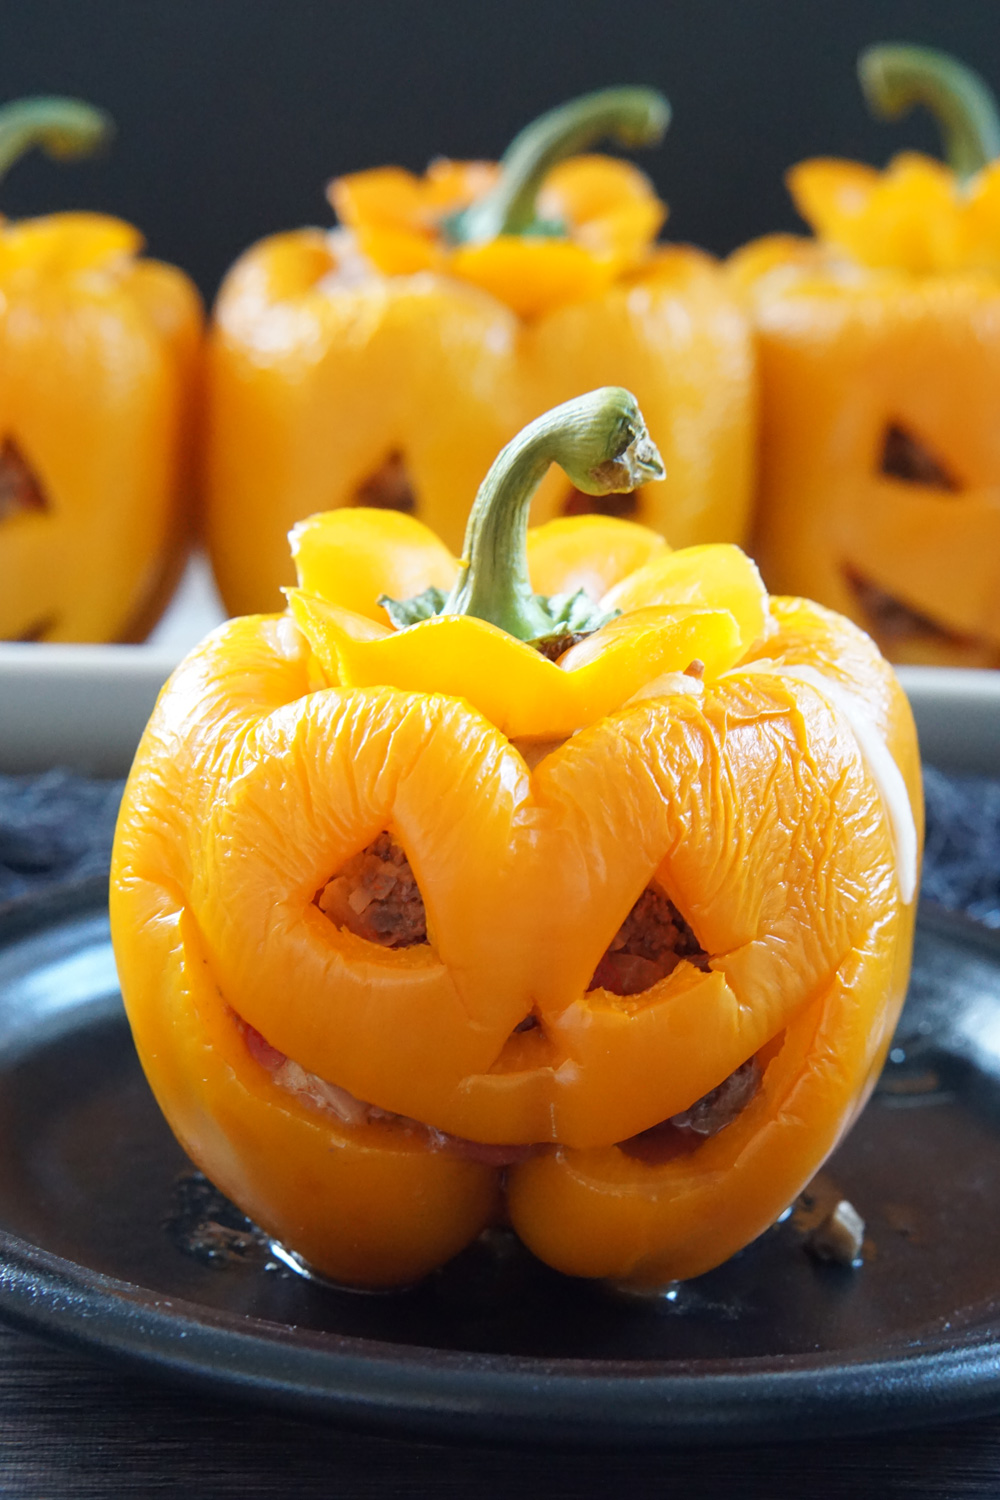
{"x": 573, "y": 880}
{"x": 879, "y": 345}
{"x": 385, "y": 363}
{"x": 98, "y": 358}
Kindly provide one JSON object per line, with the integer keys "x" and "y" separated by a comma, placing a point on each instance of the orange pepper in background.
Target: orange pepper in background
{"x": 386, "y": 362}
{"x": 651, "y": 727}
{"x": 99, "y": 356}
{"x": 879, "y": 354}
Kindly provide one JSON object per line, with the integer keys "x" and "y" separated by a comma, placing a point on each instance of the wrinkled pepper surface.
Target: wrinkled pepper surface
{"x": 569, "y": 884}
{"x": 879, "y": 351}
{"x": 385, "y": 363}
{"x": 98, "y": 358}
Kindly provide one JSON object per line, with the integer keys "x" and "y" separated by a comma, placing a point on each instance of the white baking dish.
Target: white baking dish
{"x": 85, "y": 706}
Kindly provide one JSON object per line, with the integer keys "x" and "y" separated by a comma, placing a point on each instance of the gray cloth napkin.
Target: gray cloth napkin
{"x": 56, "y": 829}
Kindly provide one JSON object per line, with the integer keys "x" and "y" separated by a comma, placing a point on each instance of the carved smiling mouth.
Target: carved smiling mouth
{"x": 893, "y": 623}
{"x": 680, "y": 1135}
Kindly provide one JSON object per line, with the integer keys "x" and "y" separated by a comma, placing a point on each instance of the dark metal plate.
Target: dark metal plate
{"x": 108, "y": 1242}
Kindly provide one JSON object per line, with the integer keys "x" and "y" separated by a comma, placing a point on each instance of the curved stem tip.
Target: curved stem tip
{"x": 896, "y": 78}
{"x": 601, "y": 442}
{"x": 64, "y": 128}
{"x": 631, "y": 116}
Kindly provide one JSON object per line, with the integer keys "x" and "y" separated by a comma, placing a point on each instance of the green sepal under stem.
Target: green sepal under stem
{"x": 569, "y": 616}
{"x": 406, "y": 612}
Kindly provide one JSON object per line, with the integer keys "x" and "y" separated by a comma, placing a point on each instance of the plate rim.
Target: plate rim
{"x": 499, "y": 1398}
{"x": 422, "y": 1391}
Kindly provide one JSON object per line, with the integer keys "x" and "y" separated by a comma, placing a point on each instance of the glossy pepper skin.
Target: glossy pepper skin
{"x": 343, "y": 364}
{"x": 774, "y": 799}
{"x": 879, "y": 354}
{"x": 99, "y": 353}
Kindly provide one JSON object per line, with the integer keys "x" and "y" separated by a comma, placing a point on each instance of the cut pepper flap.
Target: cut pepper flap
{"x": 920, "y": 215}
{"x": 605, "y": 213}
{"x": 915, "y": 216}
{"x": 521, "y": 692}
{"x": 101, "y": 355}
{"x": 879, "y": 360}
{"x": 405, "y": 322}
{"x": 479, "y": 642}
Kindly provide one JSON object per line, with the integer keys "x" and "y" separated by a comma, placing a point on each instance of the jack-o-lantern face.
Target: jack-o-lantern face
{"x": 409, "y": 920}
{"x": 384, "y": 365}
{"x": 97, "y": 353}
{"x": 879, "y": 347}
{"x": 396, "y": 393}
{"x": 97, "y": 360}
{"x": 880, "y": 455}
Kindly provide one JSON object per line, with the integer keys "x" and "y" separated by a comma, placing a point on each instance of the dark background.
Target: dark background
{"x": 233, "y": 114}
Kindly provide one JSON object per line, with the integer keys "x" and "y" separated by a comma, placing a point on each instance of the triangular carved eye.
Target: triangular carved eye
{"x": 907, "y": 457}
{"x": 20, "y": 488}
{"x": 389, "y": 487}
{"x": 622, "y": 507}
{"x": 649, "y": 945}
{"x": 375, "y": 895}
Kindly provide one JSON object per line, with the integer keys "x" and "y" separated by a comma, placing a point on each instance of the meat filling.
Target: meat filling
{"x": 330, "y": 1099}
{"x": 678, "y": 1136}
{"x": 685, "y": 1132}
{"x": 554, "y": 646}
{"x": 376, "y": 897}
{"x": 649, "y": 945}
{"x": 720, "y": 1106}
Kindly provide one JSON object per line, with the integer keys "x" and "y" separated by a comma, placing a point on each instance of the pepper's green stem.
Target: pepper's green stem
{"x": 631, "y": 116}
{"x": 895, "y": 78}
{"x": 601, "y": 442}
{"x": 64, "y": 128}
